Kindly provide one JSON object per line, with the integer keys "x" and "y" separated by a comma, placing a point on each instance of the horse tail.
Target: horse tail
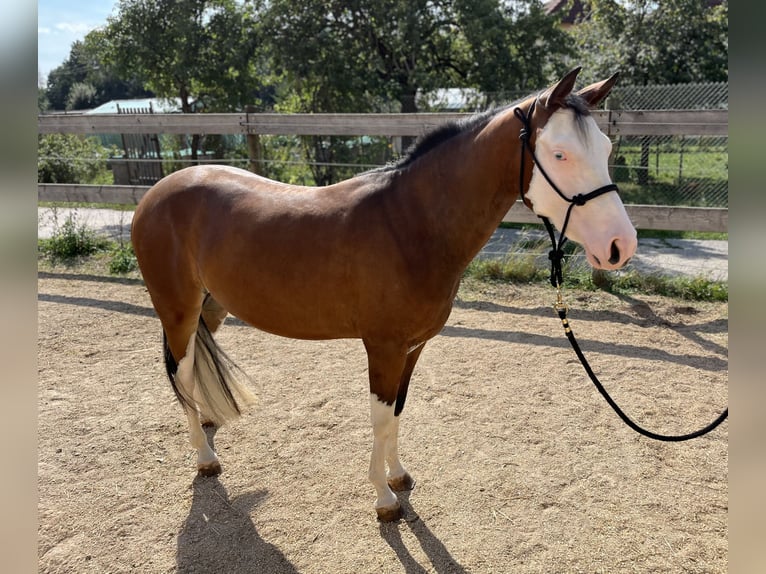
{"x": 219, "y": 392}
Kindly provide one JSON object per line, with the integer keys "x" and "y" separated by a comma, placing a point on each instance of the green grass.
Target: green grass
{"x": 123, "y": 260}
{"x": 532, "y": 268}
{"x": 632, "y": 281}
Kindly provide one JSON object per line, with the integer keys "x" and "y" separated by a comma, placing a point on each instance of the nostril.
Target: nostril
{"x": 614, "y": 256}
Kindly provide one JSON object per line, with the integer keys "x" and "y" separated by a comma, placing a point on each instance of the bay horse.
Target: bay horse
{"x": 377, "y": 257}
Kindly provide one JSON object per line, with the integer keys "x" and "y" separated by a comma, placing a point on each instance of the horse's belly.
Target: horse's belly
{"x": 293, "y": 316}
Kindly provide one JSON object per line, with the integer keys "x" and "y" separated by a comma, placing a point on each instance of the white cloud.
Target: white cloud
{"x": 75, "y": 28}
{"x": 60, "y": 23}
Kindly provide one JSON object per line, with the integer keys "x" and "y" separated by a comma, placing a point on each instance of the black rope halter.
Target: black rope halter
{"x": 556, "y": 255}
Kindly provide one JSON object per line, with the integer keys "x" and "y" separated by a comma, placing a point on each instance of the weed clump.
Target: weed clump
{"x": 70, "y": 241}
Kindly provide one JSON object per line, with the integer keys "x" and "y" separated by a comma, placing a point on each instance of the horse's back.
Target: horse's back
{"x": 287, "y": 259}
{"x": 205, "y": 184}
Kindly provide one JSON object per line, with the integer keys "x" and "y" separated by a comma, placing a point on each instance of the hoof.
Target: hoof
{"x": 210, "y": 469}
{"x": 389, "y": 513}
{"x": 401, "y": 483}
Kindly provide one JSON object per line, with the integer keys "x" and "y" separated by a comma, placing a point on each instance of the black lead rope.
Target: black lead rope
{"x": 562, "y": 311}
{"x": 556, "y": 257}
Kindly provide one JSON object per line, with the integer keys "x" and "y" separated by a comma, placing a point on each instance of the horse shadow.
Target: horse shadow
{"x": 219, "y": 536}
{"x": 441, "y": 560}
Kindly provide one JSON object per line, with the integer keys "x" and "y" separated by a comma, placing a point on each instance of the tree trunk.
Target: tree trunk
{"x": 409, "y": 106}
{"x": 186, "y": 108}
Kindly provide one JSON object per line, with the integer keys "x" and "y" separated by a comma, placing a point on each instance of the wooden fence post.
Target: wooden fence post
{"x": 254, "y": 152}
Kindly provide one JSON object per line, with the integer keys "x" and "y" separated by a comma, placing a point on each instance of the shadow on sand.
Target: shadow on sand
{"x": 219, "y": 536}
{"x": 441, "y": 560}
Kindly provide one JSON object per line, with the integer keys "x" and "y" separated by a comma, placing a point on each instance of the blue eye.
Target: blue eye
{"x": 559, "y": 155}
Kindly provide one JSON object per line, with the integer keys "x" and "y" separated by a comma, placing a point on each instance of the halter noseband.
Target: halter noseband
{"x": 556, "y": 255}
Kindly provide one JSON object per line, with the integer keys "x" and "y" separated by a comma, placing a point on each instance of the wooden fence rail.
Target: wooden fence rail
{"x": 612, "y": 122}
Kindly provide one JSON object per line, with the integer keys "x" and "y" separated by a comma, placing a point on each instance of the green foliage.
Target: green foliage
{"x": 342, "y": 56}
{"x": 82, "y": 96}
{"x": 87, "y": 64}
{"x": 42, "y": 100}
{"x": 375, "y": 56}
{"x": 70, "y": 241}
{"x": 668, "y": 42}
{"x": 204, "y": 49}
{"x": 69, "y": 158}
{"x": 511, "y": 270}
{"x": 680, "y": 287}
{"x": 379, "y": 56}
{"x": 123, "y": 260}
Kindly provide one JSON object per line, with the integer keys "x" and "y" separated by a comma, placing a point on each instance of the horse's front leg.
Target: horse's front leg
{"x": 398, "y": 478}
{"x": 390, "y": 367}
{"x": 383, "y": 433}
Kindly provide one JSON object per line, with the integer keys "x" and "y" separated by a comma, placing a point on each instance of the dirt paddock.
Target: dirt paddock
{"x": 520, "y": 465}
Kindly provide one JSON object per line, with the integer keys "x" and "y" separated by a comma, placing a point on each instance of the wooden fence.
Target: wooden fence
{"x": 611, "y": 122}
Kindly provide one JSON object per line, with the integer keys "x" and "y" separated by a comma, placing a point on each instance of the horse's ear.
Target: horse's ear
{"x": 595, "y": 93}
{"x": 555, "y": 96}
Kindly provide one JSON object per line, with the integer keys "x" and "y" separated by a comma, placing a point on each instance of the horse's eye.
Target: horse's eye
{"x": 559, "y": 155}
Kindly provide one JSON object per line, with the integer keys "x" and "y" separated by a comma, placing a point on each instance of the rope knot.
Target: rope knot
{"x": 556, "y": 255}
{"x": 579, "y": 199}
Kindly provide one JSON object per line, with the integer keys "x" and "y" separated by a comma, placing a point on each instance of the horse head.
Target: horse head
{"x": 571, "y": 161}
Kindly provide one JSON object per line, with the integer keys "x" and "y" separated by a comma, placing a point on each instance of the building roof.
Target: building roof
{"x": 159, "y": 105}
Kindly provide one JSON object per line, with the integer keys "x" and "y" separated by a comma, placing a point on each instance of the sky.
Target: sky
{"x": 62, "y": 22}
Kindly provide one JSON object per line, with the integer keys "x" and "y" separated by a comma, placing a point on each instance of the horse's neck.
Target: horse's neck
{"x": 471, "y": 185}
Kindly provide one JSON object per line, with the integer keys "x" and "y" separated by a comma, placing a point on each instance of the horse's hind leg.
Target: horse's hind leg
{"x": 213, "y": 314}
{"x": 207, "y": 460}
{"x": 179, "y": 312}
{"x": 203, "y": 376}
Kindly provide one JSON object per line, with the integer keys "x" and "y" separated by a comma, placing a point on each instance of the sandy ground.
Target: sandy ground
{"x": 520, "y": 465}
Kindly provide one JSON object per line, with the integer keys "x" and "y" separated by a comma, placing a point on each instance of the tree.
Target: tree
{"x": 87, "y": 64}
{"x": 668, "y": 42}
{"x": 82, "y": 96}
{"x": 379, "y": 55}
{"x": 195, "y": 50}
{"x": 513, "y": 46}
{"x": 649, "y": 42}
{"x": 373, "y": 50}
{"x": 200, "y": 51}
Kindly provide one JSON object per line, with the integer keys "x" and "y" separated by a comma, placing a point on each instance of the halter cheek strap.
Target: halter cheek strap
{"x": 556, "y": 255}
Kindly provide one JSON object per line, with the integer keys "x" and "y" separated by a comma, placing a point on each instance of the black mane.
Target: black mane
{"x": 443, "y": 133}
{"x": 439, "y": 135}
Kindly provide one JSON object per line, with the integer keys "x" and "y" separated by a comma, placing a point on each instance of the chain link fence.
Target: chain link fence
{"x": 672, "y": 170}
